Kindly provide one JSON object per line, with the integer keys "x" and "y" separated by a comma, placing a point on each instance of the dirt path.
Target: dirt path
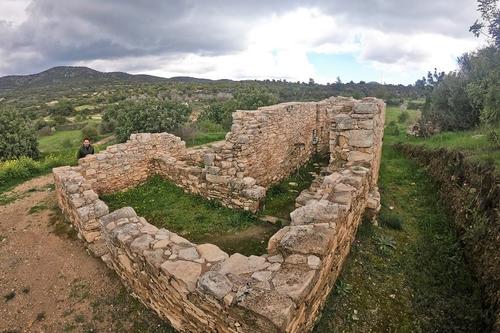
{"x": 48, "y": 281}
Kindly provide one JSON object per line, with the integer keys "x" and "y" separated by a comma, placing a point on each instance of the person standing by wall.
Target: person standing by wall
{"x": 85, "y": 149}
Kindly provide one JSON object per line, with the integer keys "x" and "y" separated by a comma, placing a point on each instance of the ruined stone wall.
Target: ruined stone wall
{"x": 200, "y": 288}
{"x": 271, "y": 142}
{"x": 126, "y": 164}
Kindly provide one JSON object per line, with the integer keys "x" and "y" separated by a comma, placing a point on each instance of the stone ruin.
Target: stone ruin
{"x": 199, "y": 287}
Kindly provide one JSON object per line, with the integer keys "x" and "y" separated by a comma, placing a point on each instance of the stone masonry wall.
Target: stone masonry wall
{"x": 200, "y": 288}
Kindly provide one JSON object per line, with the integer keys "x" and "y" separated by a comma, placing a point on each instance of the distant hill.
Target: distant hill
{"x": 71, "y": 76}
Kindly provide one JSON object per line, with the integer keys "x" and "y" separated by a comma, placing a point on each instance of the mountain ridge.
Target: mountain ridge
{"x": 79, "y": 75}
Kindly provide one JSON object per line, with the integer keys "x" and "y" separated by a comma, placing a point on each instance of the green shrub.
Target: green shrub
{"x": 150, "y": 116}
{"x": 17, "y": 136}
{"x": 59, "y": 119}
{"x": 403, "y": 117}
{"x": 24, "y": 168}
{"x": 90, "y": 131}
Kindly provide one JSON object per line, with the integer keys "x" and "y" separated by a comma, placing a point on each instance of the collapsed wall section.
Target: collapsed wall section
{"x": 200, "y": 288}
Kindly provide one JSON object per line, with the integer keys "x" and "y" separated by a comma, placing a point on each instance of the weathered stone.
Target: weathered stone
{"x": 315, "y": 212}
{"x": 161, "y": 244}
{"x": 296, "y": 259}
{"x": 274, "y": 267}
{"x": 365, "y": 108}
{"x": 313, "y": 261}
{"x": 185, "y": 271}
{"x": 118, "y": 214}
{"x": 360, "y": 138}
{"x": 343, "y": 121}
{"x": 262, "y": 275}
{"x": 356, "y": 156}
{"x": 141, "y": 243}
{"x": 215, "y": 284}
{"x": 249, "y": 181}
{"x": 211, "y": 253}
{"x": 277, "y": 308}
{"x": 255, "y": 192}
{"x": 188, "y": 253}
{"x": 240, "y": 264}
{"x": 154, "y": 257}
{"x": 276, "y": 258}
{"x": 307, "y": 240}
{"x": 90, "y": 195}
{"x": 293, "y": 282}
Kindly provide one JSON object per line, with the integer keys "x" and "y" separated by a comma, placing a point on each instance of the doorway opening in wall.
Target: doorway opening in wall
{"x": 200, "y": 220}
{"x": 281, "y": 198}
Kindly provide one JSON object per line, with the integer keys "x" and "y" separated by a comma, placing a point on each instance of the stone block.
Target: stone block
{"x": 186, "y": 271}
{"x": 211, "y": 253}
{"x": 215, "y": 284}
{"x": 294, "y": 282}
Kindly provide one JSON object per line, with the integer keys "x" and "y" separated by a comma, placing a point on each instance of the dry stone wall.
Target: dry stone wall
{"x": 199, "y": 287}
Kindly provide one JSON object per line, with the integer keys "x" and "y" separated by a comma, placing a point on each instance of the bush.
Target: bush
{"x": 59, "y": 119}
{"x": 451, "y": 107}
{"x": 220, "y": 113}
{"x": 45, "y": 131}
{"x": 24, "y": 168}
{"x": 40, "y": 123}
{"x": 90, "y": 131}
{"x": 403, "y": 117}
{"x": 17, "y": 136}
{"x": 150, "y": 116}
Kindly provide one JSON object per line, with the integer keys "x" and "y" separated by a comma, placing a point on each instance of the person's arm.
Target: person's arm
{"x": 79, "y": 154}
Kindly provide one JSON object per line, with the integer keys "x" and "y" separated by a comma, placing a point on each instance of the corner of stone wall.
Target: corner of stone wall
{"x": 81, "y": 205}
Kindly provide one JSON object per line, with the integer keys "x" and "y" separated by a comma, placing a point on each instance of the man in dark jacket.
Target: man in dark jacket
{"x": 85, "y": 149}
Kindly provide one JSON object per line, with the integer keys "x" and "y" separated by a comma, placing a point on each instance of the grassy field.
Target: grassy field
{"x": 409, "y": 275}
{"x": 60, "y": 140}
{"x": 199, "y": 220}
{"x": 473, "y": 143}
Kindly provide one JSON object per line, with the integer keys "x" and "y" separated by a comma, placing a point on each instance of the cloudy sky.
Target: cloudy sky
{"x": 393, "y": 41}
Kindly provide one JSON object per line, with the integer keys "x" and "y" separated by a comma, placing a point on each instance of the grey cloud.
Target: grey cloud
{"x": 65, "y": 32}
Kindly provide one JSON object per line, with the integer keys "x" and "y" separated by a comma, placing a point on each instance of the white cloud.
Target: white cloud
{"x": 13, "y": 11}
{"x": 238, "y": 41}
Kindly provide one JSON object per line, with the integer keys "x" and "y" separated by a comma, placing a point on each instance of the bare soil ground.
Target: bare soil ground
{"x": 48, "y": 281}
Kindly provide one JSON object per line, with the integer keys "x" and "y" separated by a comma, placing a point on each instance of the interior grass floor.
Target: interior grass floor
{"x": 409, "y": 273}
{"x": 280, "y": 198}
{"x": 200, "y": 220}
{"x": 195, "y": 218}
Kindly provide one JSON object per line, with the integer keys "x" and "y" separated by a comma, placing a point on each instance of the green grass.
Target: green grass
{"x": 474, "y": 143}
{"x": 280, "y": 198}
{"x": 56, "y": 142}
{"x": 195, "y": 218}
{"x": 409, "y": 280}
{"x": 54, "y": 153}
{"x": 38, "y": 208}
{"x": 204, "y": 138}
